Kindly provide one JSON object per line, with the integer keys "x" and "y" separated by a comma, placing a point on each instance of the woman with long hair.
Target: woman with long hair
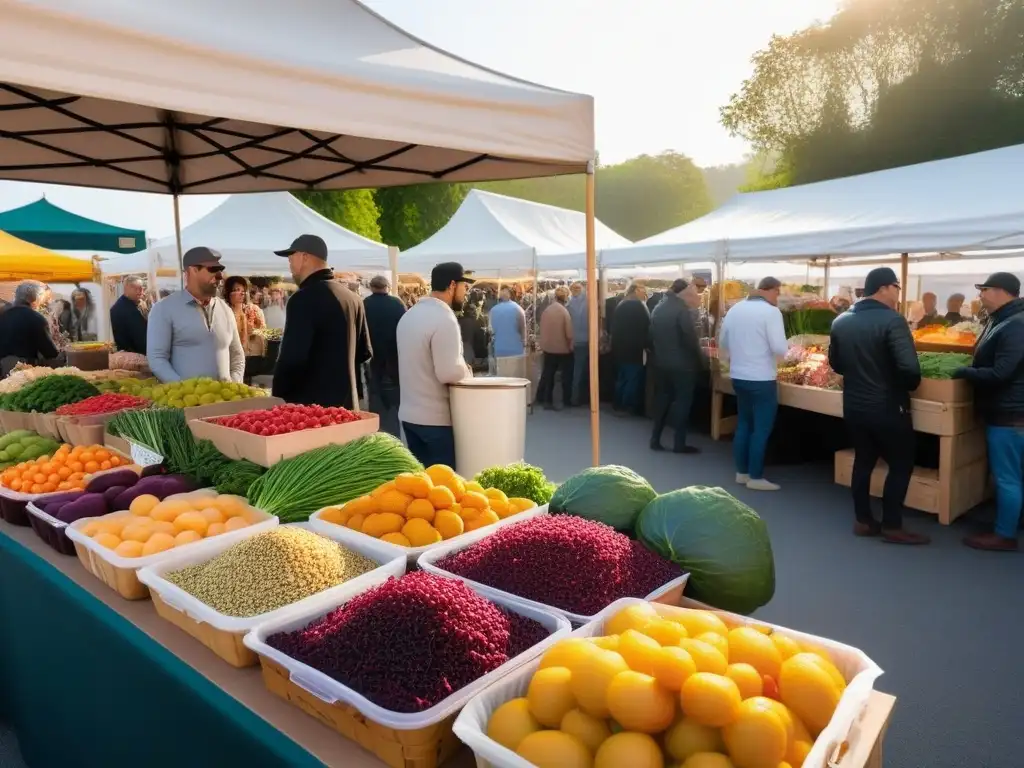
{"x": 248, "y": 316}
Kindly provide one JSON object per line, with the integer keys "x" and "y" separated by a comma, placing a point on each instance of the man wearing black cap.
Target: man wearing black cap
{"x": 193, "y": 333}
{"x": 383, "y": 313}
{"x": 997, "y": 374}
{"x": 429, "y": 359}
{"x": 326, "y": 338}
{"x": 872, "y": 348}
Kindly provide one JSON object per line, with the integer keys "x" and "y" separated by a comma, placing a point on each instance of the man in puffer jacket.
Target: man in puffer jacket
{"x": 997, "y": 374}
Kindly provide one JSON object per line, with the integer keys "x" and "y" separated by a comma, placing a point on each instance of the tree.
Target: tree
{"x": 353, "y": 209}
{"x": 409, "y": 215}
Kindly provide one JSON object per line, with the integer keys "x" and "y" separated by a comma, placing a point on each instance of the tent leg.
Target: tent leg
{"x": 592, "y": 321}
{"x": 904, "y": 270}
{"x": 393, "y": 266}
{"x": 177, "y": 239}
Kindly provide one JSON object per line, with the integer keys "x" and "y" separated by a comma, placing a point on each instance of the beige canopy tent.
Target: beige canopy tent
{"x": 195, "y": 98}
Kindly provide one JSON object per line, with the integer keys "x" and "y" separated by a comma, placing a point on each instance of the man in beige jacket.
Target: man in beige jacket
{"x": 556, "y": 344}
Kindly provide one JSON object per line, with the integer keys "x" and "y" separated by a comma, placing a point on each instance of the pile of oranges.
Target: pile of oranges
{"x": 68, "y": 469}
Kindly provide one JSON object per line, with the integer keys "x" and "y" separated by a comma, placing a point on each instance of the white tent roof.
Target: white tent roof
{"x": 247, "y": 229}
{"x": 973, "y": 202}
{"x": 493, "y": 234}
{"x": 191, "y": 97}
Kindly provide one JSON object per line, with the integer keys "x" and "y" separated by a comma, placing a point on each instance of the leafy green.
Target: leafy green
{"x": 49, "y": 393}
{"x": 236, "y": 477}
{"x": 611, "y": 494}
{"x": 519, "y": 480}
{"x": 941, "y": 365}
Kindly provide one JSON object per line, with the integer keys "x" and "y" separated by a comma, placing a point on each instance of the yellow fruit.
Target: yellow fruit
{"x": 108, "y": 540}
{"x": 144, "y": 504}
{"x": 747, "y": 679}
{"x": 474, "y": 487}
{"x": 396, "y": 538}
{"x": 485, "y": 518}
{"x": 158, "y": 542}
{"x": 395, "y": 502}
{"x": 696, "y": 621}
{"x": 379, "y": 523}
{"x": 364, "y": 505}
{"x": 215, "y": 529}
{"x": 608, "y": 642}
{"x": 457, "y": 486}
{"x": 550, "y": 695}
{"x": 710, "y": 699}
{"x": 129, "y": 548}
{"x": 192, "y": 521}
{"x": 333, "y": 515}
{"x": 832, "y": 670}
{"x": 566, "y": 653}
{"x": 520, "y": 504}
{"x": 139, "y": 533}
{"x": 511, "y": 723}
{"x": 474, "y": 500}
{"x": 420, "y": 508}
{"x": 231, "y": 506}
{"x": 420, "y": 533}
{"x": 797, "y": 752}
{"x": 638, "y": 703}
{"x": 162, "y": 527}
{"x": 448, "y": 523}
{"x": 554, "y": 749}
{"x": 787, "y": 646}
{"x": 466, "y": 513}
{"x": 631, "y": 617}
{"x": 707, "y": 657}
{"x": 707, "y": 760}
{"x": 441, "y": 497}
{"x": 591, "y": 677}
{"x": 688, "y": 737}
{"x": 639, "y": 651}
{"x": 164, "y": 510}
{"x": 501, "y": 508}
{"x": 808, "y": 690}
{"x": 672, "y": 666}
{"x": 795, "y": 730}
{"x": 717, "y": 641}
{"x": 355, "y": 522}
{"x": 186, "y": 537}
{"x": 757, "y": 737}
{"x": 629, "y": 750}
{"x": 590, "y": 730}
{"x": 212, "y": 515}
{"x": 440, "y": 474}
{"x": 415, "y": 484}
{"x": 90, "y": 529}
{"x": 235, "y": 524}
{"x": 664, "y": 631}
{"x": 747, "y": 645}
{"x": 380, "y": 490}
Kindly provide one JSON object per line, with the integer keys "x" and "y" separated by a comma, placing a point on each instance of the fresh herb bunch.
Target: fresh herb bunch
{"x": 941, "y": 365}
{"x": 237, "y": 477}
{"x": 50, "y": 393}
{"x": 520, "y": 480}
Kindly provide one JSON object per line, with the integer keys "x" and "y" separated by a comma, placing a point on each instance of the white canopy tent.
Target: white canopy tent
{"x": 247, "y": 229}
{"x": 974, "y": 202}
{"x": 496, "y": 236}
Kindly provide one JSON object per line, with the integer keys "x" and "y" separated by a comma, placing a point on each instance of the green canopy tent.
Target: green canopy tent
{"x": 50, "y": 226}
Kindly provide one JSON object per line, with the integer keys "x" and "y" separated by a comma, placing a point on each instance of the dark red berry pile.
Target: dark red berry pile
{"x": 97, "y": 404}
{"x": 282, "y": 419}
{"x": 570, "y": 563}
{"x": 411, "y": 642}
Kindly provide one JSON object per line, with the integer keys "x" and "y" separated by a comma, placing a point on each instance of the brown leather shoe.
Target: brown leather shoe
{"x": 991, "y": 542}
{"x": 866, "y": 529}
{"x": 903, "y": 536}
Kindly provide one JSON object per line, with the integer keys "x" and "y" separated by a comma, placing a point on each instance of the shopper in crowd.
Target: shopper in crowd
{"x": 248, "y": 316}
{"x": 631, "y": 326}
{"x": 872, "y": 349}
{"x": 508, "y": 327}
{"x": 997, "y": 374}
{"x": 193, "y": 332}
{"x": 326, "y": 339}
{"x": 274, "y": 312}
{"x": 954, "y": 305}
{"x": 678, "y": 362}
{"x": 556, "y": 342}
{"x": 655, "y": 299}
{"x": 931, "y": 315}
{"x": 383, "y": 313}
{"x": 429, "y": 359}
{"x": 580, "y": 316}
{"x": 127, "y": 323}
{"x": 79, "y": 322}
{"x": 25, "y": 335}
{"x": 752, "y": 340}
{"x": 53, "y": 308}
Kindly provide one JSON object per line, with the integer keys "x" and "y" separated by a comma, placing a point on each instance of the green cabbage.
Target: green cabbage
{"x": 719, "y": 540}
{"x": 611, "y": 494}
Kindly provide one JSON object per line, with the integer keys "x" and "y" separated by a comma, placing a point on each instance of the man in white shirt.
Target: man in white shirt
{"x": 753, "y": 338}
{"x": 429, "y": 359}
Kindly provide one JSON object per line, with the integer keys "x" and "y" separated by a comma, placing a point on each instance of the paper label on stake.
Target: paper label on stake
{"x": 145, "y": 457}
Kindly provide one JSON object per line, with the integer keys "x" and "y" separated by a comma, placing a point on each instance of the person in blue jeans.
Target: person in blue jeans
{"x": 997, "y": 373}
{"x": 631, "y": 328}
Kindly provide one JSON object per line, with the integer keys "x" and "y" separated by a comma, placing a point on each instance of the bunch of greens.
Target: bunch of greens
{"x": 519, "y": 480}
{"x": 236, "y": 477}
{"x": 941, "y": 365}
{"x": 162, "y": 430}
{"x": 50, "y": 393}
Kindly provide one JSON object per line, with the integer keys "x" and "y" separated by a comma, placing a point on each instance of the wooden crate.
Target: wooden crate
{"x": 825, "y": 401}
{"x": 944, "y": 419}
{"x": 422, "y": 748}
{"x": 227, "y": 645}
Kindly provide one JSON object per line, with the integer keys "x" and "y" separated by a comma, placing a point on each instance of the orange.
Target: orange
{"x": 639, "y": 651}
{"x": 591, "y": 676}
{"x": 332, "y": 515}
{"x": 420, "y": 533}
{"x": 710, "y": 699}
{"x": 186, "y": 537}
{"x": 92, "y": 466}
{"x": 500, "y": 507}
{"x": 747, "y": 645}
{"x": 554, "y": 749}
{"x": 511, "y": 723}
{"x": 441, "y": 497}
{"x": 474, "y": 500}
{"x": 808, "y": 691}
{"x": 747, "y": 679}
{"x": 696, "y": 621}
{"x": 485, "y": 518}
{"x": 415, "y": 484}
{"x": 397, "y": 539}
{"x": 440, "y": 474}
{"x": 144, "y": 505}
{"x": 420, "y": 508}
{"x": 707, "y": 657}
{"x": 363, "y": 505}
{"x": 192, "y": 521}
{"x": 158, "y": 542}
{"x": 757, "y": 737}
{"x": 631, "y": 617}
{"x": 380, "y": 490}
{"x": 355, "y": 522}
{"x": 687, "y": 737}
{"x": 448, "y": 524}
{"x": 638, "y": 703}
{"x": 664, "y": 631}
{"x": 129, "y": 549}
{"x": 550, "y": 695}
{"x": 588, "y": 729}
{"x": 116, "y": 461}
{"x": 379, "y": 523}
{"x": 457, "y": 486}
{"x": 672, "y": 666}
{"x": 395, "y": 502}
{"x": 629, "y": 750}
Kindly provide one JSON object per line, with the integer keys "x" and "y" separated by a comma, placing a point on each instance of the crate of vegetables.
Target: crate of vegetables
{"x": 679, "y": 681}
{"x": 267, "y": 436}
{"x": 82, "y": 423}
{"x": 561, "y": 563}
{"x": 220, "y": 594}
{"x": 391, "y": 666}
{"x": 115, "y": 546}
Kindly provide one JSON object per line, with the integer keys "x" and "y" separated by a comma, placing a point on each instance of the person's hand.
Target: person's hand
{"x": 961, "y": 373}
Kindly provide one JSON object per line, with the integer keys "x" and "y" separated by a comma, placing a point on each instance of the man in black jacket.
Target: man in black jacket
{"x": 997, "y": 374}
{"x": 872, "y": 348}
{"x": 24, "y": 333}
{"x": 631, "y": 328}
{"x": 383, "y": 312}
{"x": 677, "y": 362}
{"x": 326, "y": 339}
{"x": 127, "y": 322}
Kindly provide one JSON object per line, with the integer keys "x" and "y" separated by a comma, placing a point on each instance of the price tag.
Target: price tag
{"x": 145, "y": 457}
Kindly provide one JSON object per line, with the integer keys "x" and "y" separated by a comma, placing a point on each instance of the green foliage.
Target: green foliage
{"x": 724, "y": 181}
{"x": 884, "y": 84}
{"x": 409, "y": 215}
{"x": 353, "y": 209}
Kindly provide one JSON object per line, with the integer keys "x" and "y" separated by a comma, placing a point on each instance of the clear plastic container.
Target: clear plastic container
{"x": 858, "y": 669}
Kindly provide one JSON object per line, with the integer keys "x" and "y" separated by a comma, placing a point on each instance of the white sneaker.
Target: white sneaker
{"x": 742, "y": 479}
{"x": 762, "y": 485}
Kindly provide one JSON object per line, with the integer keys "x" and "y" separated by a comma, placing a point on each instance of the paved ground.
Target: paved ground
{"x": 944, "y": 622}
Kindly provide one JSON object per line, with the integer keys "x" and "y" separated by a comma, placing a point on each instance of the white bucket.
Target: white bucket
{"x": 489, "y": 421}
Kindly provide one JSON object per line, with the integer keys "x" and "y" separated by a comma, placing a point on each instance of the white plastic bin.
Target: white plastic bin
{"x": 489, "y": 420}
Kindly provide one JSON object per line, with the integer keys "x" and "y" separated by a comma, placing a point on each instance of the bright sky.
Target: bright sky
{"x": 659, "y": 71}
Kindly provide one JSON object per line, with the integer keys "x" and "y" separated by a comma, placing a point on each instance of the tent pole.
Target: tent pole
{"x": 592, "y": 322}
{"x": 536, "y": 314}
{"x": 828, "y": 276}
{"x": 904, "y": 270}
{"x": 177, "y": 240}
{"x": 393, "y": 266}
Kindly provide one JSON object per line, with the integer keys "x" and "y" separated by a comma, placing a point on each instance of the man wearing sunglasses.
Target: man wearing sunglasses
{"x": 193, "y": 332}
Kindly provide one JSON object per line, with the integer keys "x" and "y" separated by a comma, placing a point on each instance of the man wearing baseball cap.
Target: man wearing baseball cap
{"x": 429, "y": 359}
{"x": 872, "y": 349}
{"x": 326, "y": 339}
{"x": 997, "y": 374}
{"x": 193, "y": 332}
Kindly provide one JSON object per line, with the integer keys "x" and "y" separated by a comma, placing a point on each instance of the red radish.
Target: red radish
{"x": 284, "y": 419}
